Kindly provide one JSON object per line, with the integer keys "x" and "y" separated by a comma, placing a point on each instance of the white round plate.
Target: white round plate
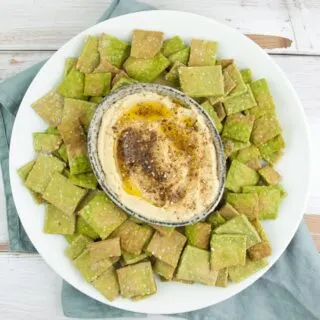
{"x": 172, "y": 297}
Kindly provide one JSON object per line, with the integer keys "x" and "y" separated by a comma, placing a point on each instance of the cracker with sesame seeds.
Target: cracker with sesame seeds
{"x": 74, "y": 138}
{"x": 198, "y": 234}
{"x": 97, "y": 84}
{"x": 245, "y": 203}
{"x": 146, "y": 70}
{"x": 89, "y": 269}
{"x": 269, "y": 200}
{"x": 162, "y": 229}
{"x": 163, "y": 269}
{"x": 239, "y": 175}
{"x": 240, "y": 102}
{"x": 104, "y": 249}
{"x": 224, "y": 62}
{"x": 246, "y": 75}
{"x": 181, "y": 56}
{"x": 195, "y": 266}
{"x": 42, "y": 172}
{"x": 58, "y": 222}
{"x": 77, "y": 246}
{"x": 238, "y": 127}
{"x": 272, "y": 146}
{"x": 231, "y": 146}
{"x": 50, "y": 108}
{"x": 89, "y": 57}
{"x": 61, "y": 153}
{"x": 107, "y": 284}
{"x": 241, "y": 272}
{"x": 222, "y": 279}
{"x": 45, "y": 142}
{"x": 130, "y": 258}
{"x": 273, "y": 158}
{"x": 69, "y": 64}
{"x": 167, "y": 247}
{"x": 201, "y": 81}
{"x": 261, "y": 93}
{"x": 82, "y": 227}
{"x": 246, "y": 154}
{"x": 145, "y": 43}
{"x": 212, "y": 114}
{"x": 72, "y": 85}
{"x": 112, "y": 50}
{"x": 173, "y": 75}
{"x": 219, "y": 109}
{"x": 215, "y": 219}
{"x": 133, "y": 237}
{"x": 136, "y": 280}
{"x": 270, "y": 175}
{"x": 63, "y": 194}
{"x": 227, "y": 250}
{"x": 265, "y": 128}
{"x": 103, "y": 215}
{"x": 240, "y": 225}
{"x": 84, "y": 180}
{"x": 202, "y": 53}
{"x": 123, "y": 81}
{"x": 172, "y": 45}
{"x": 235, "y": 74}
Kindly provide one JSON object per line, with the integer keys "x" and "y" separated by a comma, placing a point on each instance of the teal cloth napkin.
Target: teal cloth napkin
{"x": 290, "y": 290}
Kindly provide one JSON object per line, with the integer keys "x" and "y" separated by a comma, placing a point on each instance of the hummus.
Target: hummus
{"x": 158, "y": 157}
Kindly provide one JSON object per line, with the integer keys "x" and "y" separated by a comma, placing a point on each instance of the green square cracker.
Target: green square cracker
{"x": 245, "y": 203}
{"x": 106, "y": 66}
{"x": 240, "y": 225}
{"x": 77, "y": 246}
{"x": 83, "y": 228}
{"x": 91, "y": 270}
{"x": 163, "y": 229}
{"x": 76, "y": 145}
{"x": 232, "y": 146}
{"x": 272, "y": 146}
{"x": 228, "y": 211}
{"x": 24, "y": 171}
{"x": 265, "y": 128}
{"x": 229, "y": 83}
{"x": 58, "y": 222}
{"x": 72, "y": 85}
{"x": 238, "y": 127}
{"x": 273, "y": 158}
{"x": 249, "y": 153}
{"x": 222, "y": 279}
{"x": 107, "y": 284}
{"x": 146, "y": 44}
{"x": 239, "y": 273}
{"x": 63, "y": 194}
{"x": 173, "y": 75}
{"x": 97, "y": 84}
{"x": 79, "y": 109}
{"x": 202, "y": 53}
{"x": 133, "y": 237}
{"x": 44, "y": 142}
{"x": 198, "y": 234}
{"x": 42, "y": 172}
{"x": 254, "y": 164}
{"x": 89, "y": 57}
{"x": 181, "y": 56}
{"x": 163, "y": 269}
{"x": 224, "y": 62}
{"x": 84, "y": 180}
{"x": 262, "y": 95}
{"x": 215, "y": 219}
{"x": 246, "y": 75}
{"x": 129, "y": 258}
{"x": 69, "y": 64}
{"x": 103, "y": 215}
{"x": 167, "y": 248}
{"x": 201, "y": 81}
{"x": 269, "y": 200}
{"x": 235, "y": 74}
{"x": 212, "y": 114}
{"x": 172, "y": 45}
{"x": 50, "y": 108}
{"x": 113, "y": 50}
{"x": 227, "y": 250}
{"x": 62, "y": 153}
{"x": 104, "y": 249}
{"x": 146, "y": 70}
{"x": 219, "y": 109}
{"x": 123, "y": 81}
{"x": 239, "y": 175}
{"x": 195, "y": 266}
{"x": 136, "y": 280}
{"x": 270, "y": 175}
{"x": 240, "y": 102}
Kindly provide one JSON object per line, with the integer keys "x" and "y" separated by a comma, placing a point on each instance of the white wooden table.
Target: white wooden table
{"x": 31, "y": 30}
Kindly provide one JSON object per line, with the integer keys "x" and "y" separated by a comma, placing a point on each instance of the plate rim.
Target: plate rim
{"x": 308, "y": 162}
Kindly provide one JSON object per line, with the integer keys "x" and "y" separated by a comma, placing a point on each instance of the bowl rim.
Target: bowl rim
{"x": 183, "y": 99}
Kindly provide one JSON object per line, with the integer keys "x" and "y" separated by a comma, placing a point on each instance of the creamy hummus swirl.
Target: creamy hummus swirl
{"x": 158, "y": 157}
